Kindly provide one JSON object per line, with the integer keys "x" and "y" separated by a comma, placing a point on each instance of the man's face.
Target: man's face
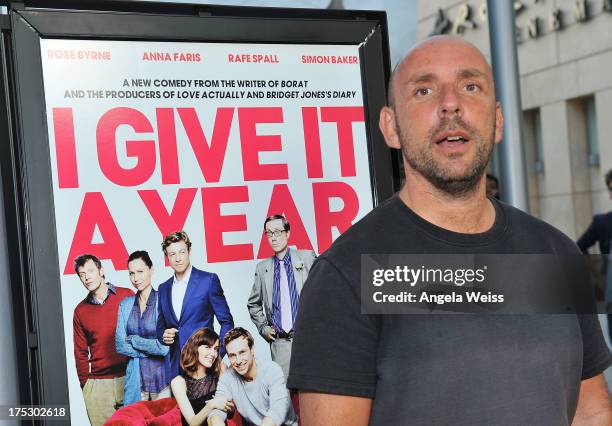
{"x": 91, "y": 277}
{"x": 240, "y": 355}
{"x": 178, "y": 256}
{"x": 445, "y": 118}
{"x": 277, "y": 236}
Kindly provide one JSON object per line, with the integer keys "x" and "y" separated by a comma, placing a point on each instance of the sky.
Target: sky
{"x": 401, "y": 15}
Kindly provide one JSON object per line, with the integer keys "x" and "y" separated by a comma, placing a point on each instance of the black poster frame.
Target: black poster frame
{"x": 25, "y": 158}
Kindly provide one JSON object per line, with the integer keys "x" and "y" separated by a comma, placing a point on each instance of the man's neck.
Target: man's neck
{"x": 182, "y": 275}
{"x": 470, "y": 213}
{"x": 250, "y": 375}
{"x": 281, "y": 254}
{"x": 101, "y": 292}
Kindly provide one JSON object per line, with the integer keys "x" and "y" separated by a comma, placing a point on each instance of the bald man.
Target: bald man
{"x": 356, "y": 369}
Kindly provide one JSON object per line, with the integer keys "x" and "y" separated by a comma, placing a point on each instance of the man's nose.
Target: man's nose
{"x": 450, "y": 102}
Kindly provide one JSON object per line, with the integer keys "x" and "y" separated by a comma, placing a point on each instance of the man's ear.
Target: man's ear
{"x": 499, "y": 123}
{"x": 387, "y": 125}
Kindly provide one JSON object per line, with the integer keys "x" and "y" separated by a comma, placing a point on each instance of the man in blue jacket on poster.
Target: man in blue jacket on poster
{"x": 187, "y": 301}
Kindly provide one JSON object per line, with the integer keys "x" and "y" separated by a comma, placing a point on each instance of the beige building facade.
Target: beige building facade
{"x": 565, "y": 66}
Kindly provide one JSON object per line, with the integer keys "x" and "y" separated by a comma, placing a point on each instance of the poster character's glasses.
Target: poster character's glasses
{"x": 274, "y": 234}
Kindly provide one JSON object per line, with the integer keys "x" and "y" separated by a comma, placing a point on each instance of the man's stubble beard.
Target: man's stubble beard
{"x": 424, "y": 163}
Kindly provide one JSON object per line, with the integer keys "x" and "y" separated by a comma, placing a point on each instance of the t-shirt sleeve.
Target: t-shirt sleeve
{"x": 596, "y": 355}
{"x": 223, "y": 390}
{"x": 279, "y": 396}
{"x": 335, "y": 345}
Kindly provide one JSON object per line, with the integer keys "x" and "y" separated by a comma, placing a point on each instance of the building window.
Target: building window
{"x": 539, "y": 144}
{"x": 592, "y": 142}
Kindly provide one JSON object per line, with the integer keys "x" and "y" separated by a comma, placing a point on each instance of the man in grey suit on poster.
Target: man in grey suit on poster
{"x": 274, "y": 299}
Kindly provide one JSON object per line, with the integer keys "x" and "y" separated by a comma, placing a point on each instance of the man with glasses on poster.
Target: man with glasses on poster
{"x": 274, "y": 299}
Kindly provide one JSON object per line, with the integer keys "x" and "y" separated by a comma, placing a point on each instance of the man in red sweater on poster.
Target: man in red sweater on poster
{"x": 100, "y": 368}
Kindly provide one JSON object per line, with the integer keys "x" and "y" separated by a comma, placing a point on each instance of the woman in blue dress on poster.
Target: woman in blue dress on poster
{"x": 145, "y": 377}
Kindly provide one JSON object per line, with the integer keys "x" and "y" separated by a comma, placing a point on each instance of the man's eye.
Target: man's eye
{"x": 422, "y": 91}
{"x": 472, "y": 87}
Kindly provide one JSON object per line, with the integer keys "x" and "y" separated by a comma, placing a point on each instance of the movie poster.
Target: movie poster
{"x": 147, "y": 138}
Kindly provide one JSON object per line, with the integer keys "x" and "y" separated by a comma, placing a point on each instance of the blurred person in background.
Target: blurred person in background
{"x": 600, "y": 232}
{"x": 492, "y": 186}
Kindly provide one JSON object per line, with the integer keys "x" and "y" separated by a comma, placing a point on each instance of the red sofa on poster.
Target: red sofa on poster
{"x": 163, "y": 412}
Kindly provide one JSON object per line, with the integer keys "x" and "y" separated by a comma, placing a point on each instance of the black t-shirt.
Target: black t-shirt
{"x": 441, "y": 369}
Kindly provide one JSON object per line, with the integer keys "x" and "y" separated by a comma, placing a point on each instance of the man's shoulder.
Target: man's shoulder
{"x": 200, "y": 274}
{"x": 165, "y": 284}
{"x": 306, "y": 254}
{"x": 603, "y": 218}
{"x": 535, "y": 228}
{"x": 269, "y": 369}
{"x": 230, "y": 378}
{"x": 81, "y": 306}
{"x": 264, "y": 263}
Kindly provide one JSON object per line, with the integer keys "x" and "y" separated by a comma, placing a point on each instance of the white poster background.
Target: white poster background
{"x": 65, "y": 69}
